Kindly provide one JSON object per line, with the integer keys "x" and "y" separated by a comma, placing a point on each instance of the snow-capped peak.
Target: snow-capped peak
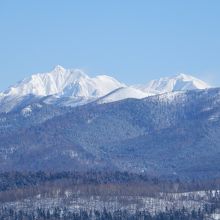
{"x": 59, "y": 68}
{"x": 179, "y": 82}
{"x": 65, "y": 82}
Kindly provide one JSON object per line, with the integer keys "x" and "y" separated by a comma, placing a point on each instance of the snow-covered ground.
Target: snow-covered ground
{"x": 190, "y": 201}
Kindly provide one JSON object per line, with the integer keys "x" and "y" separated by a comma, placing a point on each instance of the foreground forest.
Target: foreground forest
{"x": 58, "y": 213}
{"x": 109, "y": 195}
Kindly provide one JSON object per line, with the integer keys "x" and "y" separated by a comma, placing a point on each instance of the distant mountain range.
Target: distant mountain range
{"x": 65, "y": 120}
{"x": 73, "y": 87}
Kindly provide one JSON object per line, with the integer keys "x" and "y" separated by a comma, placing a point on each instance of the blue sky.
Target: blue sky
{"x": 132, "y": 40}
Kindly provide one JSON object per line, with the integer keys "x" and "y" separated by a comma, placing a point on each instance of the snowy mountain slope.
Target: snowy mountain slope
{"x": 180, "y": 82}
{"x": 123, "y": 93}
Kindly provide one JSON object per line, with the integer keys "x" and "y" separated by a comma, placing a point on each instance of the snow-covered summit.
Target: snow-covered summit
{"x": 179, "y": 82}
{"x": 65, "y": 82}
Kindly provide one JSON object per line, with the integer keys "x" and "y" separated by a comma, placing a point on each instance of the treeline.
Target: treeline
{"x": 12, "y": 180}
{"x": 16, "y": 186}
{"x": 65, "y": 214}
{"x": 15, "y": 180}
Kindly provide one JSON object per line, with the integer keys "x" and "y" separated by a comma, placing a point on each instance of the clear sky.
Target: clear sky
{"x": 131, "y": 40}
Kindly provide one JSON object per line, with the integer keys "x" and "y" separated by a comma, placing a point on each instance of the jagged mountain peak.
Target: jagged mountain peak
{"x": 59, "y": 68}
{"x": 184, "y": 77}
{"x": 61, "y": 71}
{"x": 60, "y": 80}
